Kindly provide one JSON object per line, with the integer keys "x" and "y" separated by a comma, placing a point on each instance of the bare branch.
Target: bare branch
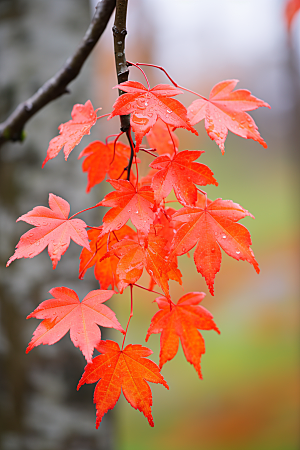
{"x": 119, "y": 31}
{"x": 12, "y": 128}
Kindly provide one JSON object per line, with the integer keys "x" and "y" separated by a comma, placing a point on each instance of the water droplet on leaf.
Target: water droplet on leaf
{"x": 139, "y": 120}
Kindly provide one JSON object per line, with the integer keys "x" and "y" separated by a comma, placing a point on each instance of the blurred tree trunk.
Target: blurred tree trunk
{"x": 40, "y": 408}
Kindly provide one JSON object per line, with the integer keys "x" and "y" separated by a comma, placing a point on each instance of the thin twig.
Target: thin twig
{"x": 149, "y": 290}
{"x": 132, "y": 64}
{"x": 87, "y": 209}
{"x": 13, "y": 128}
{"x": 130, "y": 315}
{"x": 148, "y": 151}
{"x": 115, "y": 142}
{"x": 171, "y": 79}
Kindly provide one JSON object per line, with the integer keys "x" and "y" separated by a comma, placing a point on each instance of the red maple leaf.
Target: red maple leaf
{"x": 225, "y": 110}
{"x": 127, "y": 369}
{"x": 213, "y": 225}
{"x": 53, "y": 228}
{"x": 147, "y": 105}
{"x": 105, "y": 270}
{"x": 104, "y": 159}
{"x": 182, "y": 321}
{"x": 131, "y": 261}
{"x": 163, "y": 224}
{"x": 128, "y": 203}
{"x": 151, "y": 253}
{"x": 291, "y": 9}
{"x": 165, "y": 228}
{"x": 179, "y": 172}
{"x": 71, "y": 133}
{"x": 159, "y": 138}
{"x": 96, "y": 163}
{"x": 65, "y": 312}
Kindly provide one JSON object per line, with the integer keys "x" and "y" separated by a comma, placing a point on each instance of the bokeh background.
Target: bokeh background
{"x": 249, "y": 397}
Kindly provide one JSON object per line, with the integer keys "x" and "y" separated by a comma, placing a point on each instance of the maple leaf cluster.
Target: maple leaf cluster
{"x": 141, "y": 233}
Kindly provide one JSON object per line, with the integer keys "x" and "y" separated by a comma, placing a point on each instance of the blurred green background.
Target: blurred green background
{"x": 249, "y": 396}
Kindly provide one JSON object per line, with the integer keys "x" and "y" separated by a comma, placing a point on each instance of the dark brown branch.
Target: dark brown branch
{"x": 128, "y": 168}
{"x": 12, "y": 128}
{"x": 119, "y": 31}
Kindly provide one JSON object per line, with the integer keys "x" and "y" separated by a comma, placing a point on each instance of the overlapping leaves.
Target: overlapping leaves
{"x": 119, "y": 253}
{"x": 152, "y": 254}
{"x": 101, "y": 160}
{"x": 180, "y": 173}
{"x": 146, "y": 106}
{"x": 105, "y": 269}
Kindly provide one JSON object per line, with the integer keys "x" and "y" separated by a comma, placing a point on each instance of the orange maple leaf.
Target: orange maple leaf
{"x": 212, "y": 225}
{"x": 147, "y": 105}
{"x": 105, "y": 269}
{"x": 225, "y": 110}
{"x": 102, "y": 159}
{"x": 128, "y": 203}
{"x": 96, "y": 163}
{"x": 182, "y": 321}
{"x": 126, "y": 369}
{"x": 65, "y": 312}
{"x": 179, "y": 172}
{"x": 71, "y": 133}
{"x": 53, "y": 228}
{"x": 151, "y": 253}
